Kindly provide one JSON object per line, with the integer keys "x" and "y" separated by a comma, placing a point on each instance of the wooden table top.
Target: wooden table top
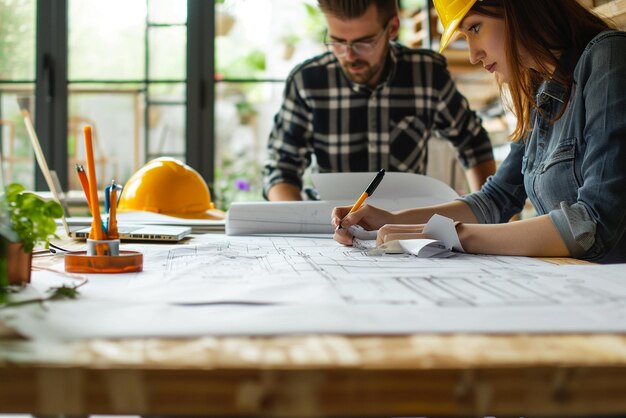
{"x": 323, "y": 375}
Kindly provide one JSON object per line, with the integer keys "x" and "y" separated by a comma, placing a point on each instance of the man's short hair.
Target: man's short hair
{"x": 351, "y": 9}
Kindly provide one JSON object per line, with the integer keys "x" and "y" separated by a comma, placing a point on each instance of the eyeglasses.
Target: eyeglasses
{"x": 361, "y": 48}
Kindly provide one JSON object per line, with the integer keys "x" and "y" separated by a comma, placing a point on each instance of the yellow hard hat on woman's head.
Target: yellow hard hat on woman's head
{"x": 169, "y": 187}
{"x": 451, "y": 13}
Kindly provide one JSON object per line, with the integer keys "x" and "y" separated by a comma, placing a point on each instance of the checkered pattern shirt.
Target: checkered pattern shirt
{"x": 352, "y": 128}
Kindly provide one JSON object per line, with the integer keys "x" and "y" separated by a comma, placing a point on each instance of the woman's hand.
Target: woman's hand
{"x": 391, "y": 232}
{"x": 369, "y": 217}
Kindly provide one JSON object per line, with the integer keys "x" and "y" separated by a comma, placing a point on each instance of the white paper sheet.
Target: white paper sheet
{"x": 442, "y": 229}
{"x": 249, "y": 218}
{"x": 121, "y": 320}
{"x": 280, "y": 285}
{"x": 339, "y": 186}
{"x": 420, "y": 247}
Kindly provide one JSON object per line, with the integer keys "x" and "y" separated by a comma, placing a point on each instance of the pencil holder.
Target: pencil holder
{"x": 124, "y": 262}
{"x": 106, "y": 247}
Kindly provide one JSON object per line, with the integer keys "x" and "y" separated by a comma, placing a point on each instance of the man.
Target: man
{"x": 368, "y": 104}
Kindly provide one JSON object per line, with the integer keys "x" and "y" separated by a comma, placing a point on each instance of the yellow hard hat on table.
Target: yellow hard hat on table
{"x": 451, "y": 13}
{"x": 169, "y": 187}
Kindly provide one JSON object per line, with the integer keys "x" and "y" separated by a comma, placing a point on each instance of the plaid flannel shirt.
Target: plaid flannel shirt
{"x": 352, "y": 128}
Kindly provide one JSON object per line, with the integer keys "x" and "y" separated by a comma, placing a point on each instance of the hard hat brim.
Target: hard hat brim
{"x": 211, "y": 214}
{"x": 450, "y": 29}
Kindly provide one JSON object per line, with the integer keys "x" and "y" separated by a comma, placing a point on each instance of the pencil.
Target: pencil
{"x": 113, "y": 234}
{"x": 84, "y": 182}
{"x": 367, "y": 193}
{"x": 96, "y": 225}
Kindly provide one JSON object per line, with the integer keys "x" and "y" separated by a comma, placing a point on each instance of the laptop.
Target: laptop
{"x": 164, "y": 233}
{"x": 129, "y": 232}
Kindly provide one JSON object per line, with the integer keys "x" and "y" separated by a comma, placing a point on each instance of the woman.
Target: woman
{"x": 565, "y": 70}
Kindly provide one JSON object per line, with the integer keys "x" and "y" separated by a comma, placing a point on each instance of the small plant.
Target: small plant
{"x": 32, "y": 218}
{"x": 237, "y": 179}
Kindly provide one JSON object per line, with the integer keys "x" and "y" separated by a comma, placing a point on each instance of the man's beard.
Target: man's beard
{"x": 362, "y": 77}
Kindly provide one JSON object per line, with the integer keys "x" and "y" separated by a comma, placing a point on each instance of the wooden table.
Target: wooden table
{"x": 314, "y": 376}
{"x": 326, "y": 375}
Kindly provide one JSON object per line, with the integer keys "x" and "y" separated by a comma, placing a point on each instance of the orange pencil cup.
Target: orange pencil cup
{"x": 124, "y": 262}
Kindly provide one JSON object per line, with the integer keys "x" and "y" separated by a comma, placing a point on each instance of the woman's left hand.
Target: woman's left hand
{"x": 391, "y": 232}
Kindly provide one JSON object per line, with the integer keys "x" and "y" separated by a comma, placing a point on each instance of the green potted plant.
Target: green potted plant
{"x": 27, "y": 220}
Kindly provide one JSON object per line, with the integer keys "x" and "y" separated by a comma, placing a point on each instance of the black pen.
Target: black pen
{"x": 367, "y": 193}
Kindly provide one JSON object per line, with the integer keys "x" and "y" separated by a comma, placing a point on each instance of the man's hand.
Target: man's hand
{"x": 284, "y": 192}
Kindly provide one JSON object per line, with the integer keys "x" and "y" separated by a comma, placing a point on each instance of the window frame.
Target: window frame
{"x": 52, "y": 87}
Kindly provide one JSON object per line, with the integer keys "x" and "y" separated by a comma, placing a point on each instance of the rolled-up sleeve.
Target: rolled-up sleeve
{"x": 576, "y": 227}
{"x": 503, "y": 195}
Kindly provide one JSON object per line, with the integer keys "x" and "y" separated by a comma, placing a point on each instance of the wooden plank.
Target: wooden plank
{"x": 548, "y": 375}
{"x": 349, "y": 392}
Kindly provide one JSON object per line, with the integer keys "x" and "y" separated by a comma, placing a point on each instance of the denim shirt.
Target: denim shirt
{"x": 575, "y": 168}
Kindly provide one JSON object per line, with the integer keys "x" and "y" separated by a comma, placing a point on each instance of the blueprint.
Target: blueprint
{"x": 276, "y": 284}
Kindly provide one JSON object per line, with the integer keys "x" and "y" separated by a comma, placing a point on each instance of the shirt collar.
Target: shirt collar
{"x": 552, "y": 89}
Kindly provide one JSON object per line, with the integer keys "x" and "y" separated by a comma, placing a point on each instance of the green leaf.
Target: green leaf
{"x": 56, "y": 293}
{"x": 63, "y": 292}
{"x": 32, "y": 218}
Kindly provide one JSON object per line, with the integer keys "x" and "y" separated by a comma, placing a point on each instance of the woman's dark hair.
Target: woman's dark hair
{"x": 351, "y": 9}
{"x": 544, "y": 29}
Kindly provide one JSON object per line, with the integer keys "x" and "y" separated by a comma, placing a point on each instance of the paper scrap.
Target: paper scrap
{"x": 442, "y": 229}
{"x": 442, "y": 234}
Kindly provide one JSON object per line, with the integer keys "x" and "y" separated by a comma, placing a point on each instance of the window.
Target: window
{"x": 17, "y": 78}
{"x": 143, "y": 73}
{"x": 254, "y": 52}
{"x": 127, "y": 79}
